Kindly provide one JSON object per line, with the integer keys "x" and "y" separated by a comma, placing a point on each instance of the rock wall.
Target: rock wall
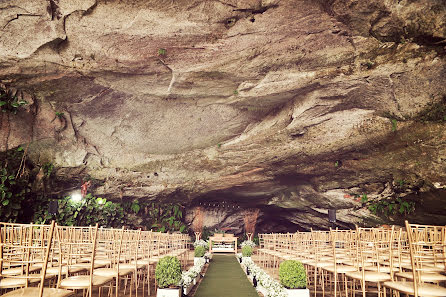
{"x": 291, "y": 105}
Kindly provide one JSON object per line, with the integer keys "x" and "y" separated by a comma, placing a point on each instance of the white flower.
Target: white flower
{"x": 202, "y": 243}
{"x": 248, "y": 243}
{"x": 186, "y": 279}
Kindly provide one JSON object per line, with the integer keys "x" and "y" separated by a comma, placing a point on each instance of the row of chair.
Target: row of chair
{"x": 364, "y": 261}
{"x": 56, "y": 261}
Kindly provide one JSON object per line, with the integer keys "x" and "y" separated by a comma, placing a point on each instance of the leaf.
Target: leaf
{"x": 5, "y": 202}
{"x": 3, "y": 103}
{"x": 135, "y": 207}
{"x": 394, "y": 125}
{"x": 364, "y": 198}
{"x": 401, "y": 210}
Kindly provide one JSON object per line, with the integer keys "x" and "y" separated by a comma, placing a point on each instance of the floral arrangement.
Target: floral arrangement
{"x": 187, "y": 277}
{"x": 202, "y": 243}
{"x": 273, "y": 287}
{"x": 249, "y": 243}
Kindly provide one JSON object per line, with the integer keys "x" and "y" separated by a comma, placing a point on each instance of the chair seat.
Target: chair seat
{"x": 423, "y": 289}
{"x": 83, "y": 281}
{"x": 425, "y": 277}
{"x": 369, "y": 276}
{"x": 55, "y": 270}
{"x": 19, "y": 270}
{"x": 132, "y": 265}
{"x": 34, "y": 291}
{"x": 385, "y": 269}
{"x": 112, "y": 272}
{"x": 85, "y": 265}
{"x": 340, "y": 268}
{"x": 102, "y": 262}
{"x": 11, "y": 283}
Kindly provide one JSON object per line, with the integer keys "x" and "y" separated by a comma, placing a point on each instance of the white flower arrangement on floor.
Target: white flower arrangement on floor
{"x": 187, "y": 277}
{"x": 248, "y": 243}
{"x": 273, "y": 287}
{"x": 202, "y": 243}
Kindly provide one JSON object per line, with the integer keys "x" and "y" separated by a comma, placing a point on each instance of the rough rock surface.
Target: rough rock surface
{"x": 294, "y": 106}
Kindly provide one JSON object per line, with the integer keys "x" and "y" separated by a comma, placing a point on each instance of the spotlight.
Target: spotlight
{"x": 76, "y": 197}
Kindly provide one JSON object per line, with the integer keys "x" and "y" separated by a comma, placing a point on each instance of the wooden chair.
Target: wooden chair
{"x": 23, "y": 246}
{"x": 76, "y": 244}
{"x": 370, "y": 245}
{"x": 111, "y": 243}
{"x": 427, "y": 245}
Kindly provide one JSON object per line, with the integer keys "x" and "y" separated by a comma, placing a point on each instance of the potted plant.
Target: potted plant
{"x": 198, "y": 254}
{"x": 293, "y": 277}
{"x": 168, "y": 277}
{"x": 246, "y": 251}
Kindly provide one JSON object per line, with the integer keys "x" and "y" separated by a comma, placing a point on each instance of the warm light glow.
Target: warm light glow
{"x": 76, "y": 197}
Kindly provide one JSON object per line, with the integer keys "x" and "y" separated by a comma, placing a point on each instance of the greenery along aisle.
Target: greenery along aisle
{"x": 225, "y": 278}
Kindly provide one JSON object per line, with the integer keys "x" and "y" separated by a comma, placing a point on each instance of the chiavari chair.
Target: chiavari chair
{"x": 112, "y": 246}
{"x": 76, "y": 244}
{"x": 23, "y": 246}
{"x": 427, "y": 246}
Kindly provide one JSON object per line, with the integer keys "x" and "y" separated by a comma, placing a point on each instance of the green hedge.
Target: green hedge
{"x": 246, "y": 251}
{"x": 292, "y": 275}
{"x": 199, "y": 251}
{"x": 168, "y": 272}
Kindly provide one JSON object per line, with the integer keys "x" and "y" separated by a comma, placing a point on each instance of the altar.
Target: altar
{"x": 223, "y": 243}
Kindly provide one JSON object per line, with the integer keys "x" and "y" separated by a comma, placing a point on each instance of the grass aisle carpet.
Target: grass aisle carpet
{"x": 225, "y": 278}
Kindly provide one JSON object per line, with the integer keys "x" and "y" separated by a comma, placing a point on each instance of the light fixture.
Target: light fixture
{"x": 76, "y": 196}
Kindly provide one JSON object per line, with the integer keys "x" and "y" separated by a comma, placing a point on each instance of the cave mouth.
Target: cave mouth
{"x": 151, "y": 112}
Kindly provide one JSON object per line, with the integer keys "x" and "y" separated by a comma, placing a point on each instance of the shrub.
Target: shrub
{"x": 199, "y": 251}
{"x": 292, "y": 275}
{"x": 246, "y": 251}
{"x": 168, "y": 272}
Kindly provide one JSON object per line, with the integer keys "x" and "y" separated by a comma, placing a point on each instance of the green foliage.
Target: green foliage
{"x": 199, "y": 251}
{"x": 292, "y": 275}
{"x": 168, "y": 272}
{"x": 9, "y": 102}
{"x": 394, "y": 124}
{"x": 48, "y": 169}
{"x": 135, "y": 207}
{"x": 88, "y": 211}
{"x": 59, "y": 114}
{"x": 392, "y": 207}
{"x": 235, "y": 92}
{"x": 14, "y": 187}
{"x": 160, "y": 217}
{"x": 162, "y": 52}
{"x": 247, "y": 251}
{"x": 364, "y": 198}
{"x": 336, "y": 164}
{"x": 219, "y": 145}
{"x": 369, "y": 64}
{"x": 206, "y": 233}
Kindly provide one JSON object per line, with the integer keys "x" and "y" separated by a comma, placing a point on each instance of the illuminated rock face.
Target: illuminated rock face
{"x": 292, "y": 106}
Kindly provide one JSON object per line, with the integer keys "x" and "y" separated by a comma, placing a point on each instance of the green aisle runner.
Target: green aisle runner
{"x": 225, "y": 278}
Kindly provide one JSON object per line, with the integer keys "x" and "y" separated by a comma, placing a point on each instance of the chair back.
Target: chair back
{"x": 25, "y": 248}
